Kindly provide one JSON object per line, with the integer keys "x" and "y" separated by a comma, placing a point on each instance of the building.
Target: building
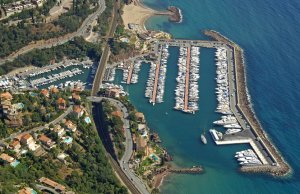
{"x": 28, "y": 141}
{"x": 117, "y": 114}
{"x": 76, "y": 97}
{"x": 54, "y": 90}
{"x": 113, "y": 92}
{"x": 48, "y": 182}
{"x": 47, "y": 142}
{"x": 77, "y": 111}
{"x": 140, "y": 117}
{"x": 6, "y": 159}
{"x": 70, "y": 125}
{"x": 26, "y": 190}
{"x": 59, "y": 130}
{"x": 45, "y": 92}
{"x": 61, "y": 103}
{"x": 6, "y": 96}
{"x": 15, "y": 145}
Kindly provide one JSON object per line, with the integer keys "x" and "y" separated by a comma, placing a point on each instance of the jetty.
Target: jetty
{"x": 192, "y": 170}
{"x": 187, "y": 80}
{"x": 130, "y": 73}
{"x": 155, "y": 83}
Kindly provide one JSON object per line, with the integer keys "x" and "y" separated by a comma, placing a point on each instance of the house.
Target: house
{"x": 54, "y": 90}
{"x": 70, "y": 126}
{"x": 28, "y": 141}
{"x": 61, "y": 103}
{"x": 47, "y": 142}
{"x": 45, "y": 92}
{"x": 59, "y": 130}
{"x": 62, "y": 157}
{"x": 6, "y": 96}
{"x": 15, "y": 145}
{"x": 58, "y": 187}
{"x": 140, "y": 117}
{"x": 6, "y": 159}
{"x": 113, "y": 92}
{"x": 117, "y": 114}
{"x": 26, "y": 190}
{"x": 77, "y": 111}
{"x": 75, "y": 97}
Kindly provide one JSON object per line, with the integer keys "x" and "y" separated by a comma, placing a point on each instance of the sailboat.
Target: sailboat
{"x": 203, "y": 138}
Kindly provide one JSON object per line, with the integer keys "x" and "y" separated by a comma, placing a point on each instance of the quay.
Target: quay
{"x": 187, "y": 80}
{"x": 130, "y": 73}
{"x": 155, "y": 83}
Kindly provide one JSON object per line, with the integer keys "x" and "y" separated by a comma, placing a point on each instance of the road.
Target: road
{"x": 55, "y": 121}
{"x": 106, "y": 52}
{"x": 82, "y": 31}
{"x": 124, "y": 161}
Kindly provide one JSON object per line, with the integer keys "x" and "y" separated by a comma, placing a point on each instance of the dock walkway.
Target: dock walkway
{"x": 130, "y": 74}
{"x": 187, "y": 80}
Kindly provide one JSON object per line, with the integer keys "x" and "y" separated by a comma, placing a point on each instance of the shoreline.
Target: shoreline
{"x": 280, "y": 167}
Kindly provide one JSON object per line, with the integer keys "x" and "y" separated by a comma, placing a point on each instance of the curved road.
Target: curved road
{"x": 41, "y": 44}
{"x": 124, "y": 162}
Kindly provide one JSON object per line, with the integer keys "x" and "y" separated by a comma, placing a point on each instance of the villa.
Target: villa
{"x": 6, "y": 159}
{"x": 45, "y": 92}
{"x": 140, "y": 117}
{"x": 15, "y": 145}
{"x": 59, "y": 130}
{"x": 77, "y": 111}
{"x": 28, "y": 141}
{"x": 61, "y": 104}
{"x": 48, "y": 182}
{"x": 70, "y": 125}
{"x": 47, "y": 142}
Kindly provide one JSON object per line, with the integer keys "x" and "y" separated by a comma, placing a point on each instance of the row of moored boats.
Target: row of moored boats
{"x": 247, "y": 158}
{"x": 188, "y": 76}
{"x": 162, "y": 71}
{"x": 228, "y": 121}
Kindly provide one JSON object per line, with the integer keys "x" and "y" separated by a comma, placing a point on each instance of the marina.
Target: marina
{"x": 236, "y": 128}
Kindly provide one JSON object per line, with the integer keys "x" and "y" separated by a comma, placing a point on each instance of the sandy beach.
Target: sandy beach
{"x": 136, "y": 13}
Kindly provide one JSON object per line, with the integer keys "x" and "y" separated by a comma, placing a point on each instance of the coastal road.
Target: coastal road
{"x": 55, "y": 121}
{"x": 106, "y": 52}
{"x": 124, "y": 161}
{"x": 41, "y": 44}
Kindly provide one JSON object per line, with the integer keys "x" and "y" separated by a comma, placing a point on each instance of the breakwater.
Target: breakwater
{"x": 176, "y": 15}
{"x": 279, "y": 166}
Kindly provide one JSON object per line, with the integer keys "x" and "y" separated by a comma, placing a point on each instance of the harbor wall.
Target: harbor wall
{"x": 279, "y": 167}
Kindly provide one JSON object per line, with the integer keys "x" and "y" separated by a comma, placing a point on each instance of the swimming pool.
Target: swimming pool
{"x": 68, "y": 140}
{"x": 15, "y": 163}
{"x": 154, "y": 157}
{"x": 87, "y": 120}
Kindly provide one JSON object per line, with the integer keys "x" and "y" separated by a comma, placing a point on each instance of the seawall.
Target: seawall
{"x": 279, "y": 167}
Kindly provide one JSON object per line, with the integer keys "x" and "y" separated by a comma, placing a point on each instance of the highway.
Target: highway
{"x": 41, "y": 44}
{"x": 123, "y": 164}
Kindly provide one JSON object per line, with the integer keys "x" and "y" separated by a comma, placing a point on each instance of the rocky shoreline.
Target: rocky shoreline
{"x": 176, "y": 15}
{"x": 280, "y": 166}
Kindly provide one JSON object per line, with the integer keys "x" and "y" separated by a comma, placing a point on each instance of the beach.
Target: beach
{"x": 141, "y": 14}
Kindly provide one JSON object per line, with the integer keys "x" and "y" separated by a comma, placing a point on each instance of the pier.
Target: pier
{"x": 155, "y": 83}
{"x": 187, "y": 80}
{"x": 192, "y": 170}
{"x": 130, "y": 74}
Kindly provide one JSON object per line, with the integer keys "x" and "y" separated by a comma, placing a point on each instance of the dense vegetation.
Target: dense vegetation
{"x": 78, "y": 48}
{"x": 114, "y": 125}
{"x": 87, "y": 169}
{"x": 13, "y": 37}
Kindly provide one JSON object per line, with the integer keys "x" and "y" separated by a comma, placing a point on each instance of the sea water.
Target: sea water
{"x": 268, "y": 31}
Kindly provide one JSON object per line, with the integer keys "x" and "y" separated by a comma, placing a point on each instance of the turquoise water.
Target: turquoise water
{"x": 269, "y": 33}
{"x": 15, "y": 163}
{"x": 68, "y": 140}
